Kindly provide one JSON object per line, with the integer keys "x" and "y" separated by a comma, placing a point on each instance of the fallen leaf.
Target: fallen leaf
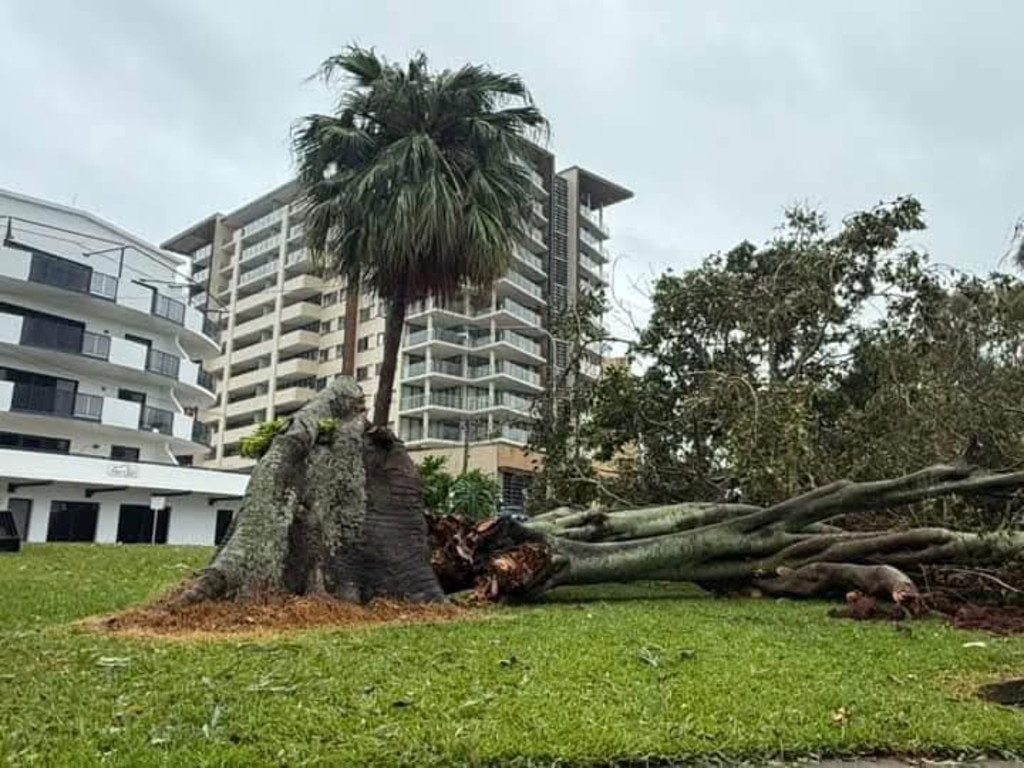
{"x": 841, "y": 716}
{"x": 976, "y": 644}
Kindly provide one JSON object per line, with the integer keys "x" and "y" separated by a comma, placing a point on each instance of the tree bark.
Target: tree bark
{"x": 331, "y": 508}
{"x": 394, "y": 324}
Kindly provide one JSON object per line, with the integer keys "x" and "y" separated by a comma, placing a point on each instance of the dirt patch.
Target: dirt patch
{"x": 1008, "y": 692}
{"x": 1000, "y": 619}
{"x": 269, "y": 614}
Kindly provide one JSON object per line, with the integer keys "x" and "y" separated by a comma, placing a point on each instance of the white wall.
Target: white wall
{"x": 10, "y": 328}
{"x": 192, "y": 519}
{"x": 6, "y": 394}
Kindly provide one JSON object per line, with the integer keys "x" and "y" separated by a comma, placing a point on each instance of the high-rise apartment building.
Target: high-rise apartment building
{"x": 470, "y": 368}
{"x": 101, "y": 384}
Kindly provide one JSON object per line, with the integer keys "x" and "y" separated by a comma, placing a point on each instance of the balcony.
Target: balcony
{"x": 443, "y": 432}
{"x": 163, "y": 363}
{"x": 509, "y": 369}
{"x": 594, "y": 217}
{"x": 437, "y": 334}
{"x": 258, "y": 225}
{"x": 263, "y": 246}
{"x": 535, "y": 240}
{"x": 519, "y": 312}
{"x": 264, "y": 270}
{"x": 534, "y": 264}
{"x": 594, "y": 244}
{"x": 168, "y": 308}
{"x": 513, "y": 434}
{"x": 443, "y": 367}
{"x": 516, "y": 282}
{"x": 202, "y": 255}
{"x": 55, "y": 271}
{"x": 157, "y": 420}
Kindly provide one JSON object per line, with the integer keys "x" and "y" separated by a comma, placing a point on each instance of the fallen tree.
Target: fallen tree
{"x": 334, "y": 508}
{"x": 784, "y": 549}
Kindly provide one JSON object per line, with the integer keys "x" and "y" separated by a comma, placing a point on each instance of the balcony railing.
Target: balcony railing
{"x": 514, "y": 402}
{"x": 594, "y": 216}
{"x": 96, "y": 345}
{"x": 211, "y": 328}
{"x": 163, "y": 363}
{"x": 594, "y": 242}
{"x": 437, "y": 334}
{"x": 515, "y": 434}
{"x": 527, "y": 315}
{"x": 207, "y": 380}
{"x": 262, "y": 222}
{"x": 525, "y": 256}
{"x": 261, "y": 271}
{"x": 444, "y": 432}
{"x": 71, "y": 276}
{"x": 157, "y": 420}
{"x": 296, "y": 256}
{"x": 202, "y": 254}
{"x": 88, "y": 407}
{"x": 527, "y": 285}
{"x": 200, "y": 433}
{"x": 169, "y": 309}
{"x": 270, "y": 244}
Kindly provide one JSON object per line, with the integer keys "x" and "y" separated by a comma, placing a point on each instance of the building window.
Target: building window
{"x": 124, "y": 453}
{"x": 72, "y": 521}
{"x": 380, "y": 339}
{"x": 365, "y": 314}
{"x": 376, "y": 370}
{"x": 362, "y": 373}
{"x": 339, "y": 351}
{"x": 34, "y": 443}
{"x": 330, "y": 298}
{"x": 363, "y": 344}
{"x": 326, "y": 327}
{"x": 325, "y": 355}
{"x": 321, "y": 383}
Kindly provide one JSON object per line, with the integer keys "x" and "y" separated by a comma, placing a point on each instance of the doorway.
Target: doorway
{"x": 72, "y": 521}
{"x": 138, "y": 524}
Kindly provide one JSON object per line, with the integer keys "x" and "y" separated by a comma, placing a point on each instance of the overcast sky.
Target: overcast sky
{"x": 156, "y": 113}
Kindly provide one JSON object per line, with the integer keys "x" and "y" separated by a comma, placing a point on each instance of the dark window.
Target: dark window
{"x": 135, "y": 524}
{"x": 363, "y": 344}
{"x": 53, "y": 270}
{"x": 41, "y": 394}
{"x": 72, "y": 521}
{"x": 39, "y": 329}
{"x": 362, "y": 373}
{"x": 365, "y": 314}
{"x": 139, "y": 340}
{"x": 34, "y": 443}
{"x": 22, "y": 511}
{"x": 124, "y": 453}
{"x": 224, "y": 518}
{"x": 184, "y": 461}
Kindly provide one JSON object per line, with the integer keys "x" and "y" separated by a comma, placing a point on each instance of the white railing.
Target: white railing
{"x": 525, "y": 256}
{"x": 591, "y": 240}
{"x": 255, "y": 274}
{"x": 261, "y": 247}
{"x": 527, "y": 315}
{"x": 262, "y": 222}
{"x": 409, "y": 402}
{"x": 515, "y": 402}
{"x": 515, "y": 434}
{"x": 446, "y": 400}
{"x": 200, "y": 275}
{"x": 296, "y": 256}
{"x": 595, "y": 216}
{"x": 438, "y": 334}
{"x": 297, "y": 231}
{"x": 527, "y": 285}
{"x": 203, "y": 253}
{"x": 535, "y": 234}
{"x": 517, "y": 371}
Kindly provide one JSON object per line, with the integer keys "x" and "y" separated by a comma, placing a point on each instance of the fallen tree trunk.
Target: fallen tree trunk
{"x": 785, "y": 549}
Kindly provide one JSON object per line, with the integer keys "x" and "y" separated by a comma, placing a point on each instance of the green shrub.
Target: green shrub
{"x": 475, "y": 495}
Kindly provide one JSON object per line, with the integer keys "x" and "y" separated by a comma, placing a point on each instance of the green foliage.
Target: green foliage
{"x": 472, "y": 493}
{"x": 561, "y": 426}
{"x": 479, "y": 691}
{"x": 414, "y": 185}
{"x": 326, "y": 428}
{"x": 820, "y": 355}
{"x": 436, "y": 484}
{"x": 475, "y": 495}
{"x": 258, "y": 443}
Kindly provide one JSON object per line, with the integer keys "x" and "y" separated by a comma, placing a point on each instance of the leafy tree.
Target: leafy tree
{"x": 413, "y": 186}
{"x": 821, "y": 354}
{"x": 436, "y": 483}
{"x": 475, "y": 495}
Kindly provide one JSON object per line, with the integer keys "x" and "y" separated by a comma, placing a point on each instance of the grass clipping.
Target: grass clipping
{"x": 271, "y": 613}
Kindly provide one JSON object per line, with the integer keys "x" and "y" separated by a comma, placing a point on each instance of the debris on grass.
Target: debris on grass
{"x": 271, "y": 613}
{"x": 995, "y": 617}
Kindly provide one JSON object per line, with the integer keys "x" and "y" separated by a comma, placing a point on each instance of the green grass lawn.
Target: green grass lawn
{"x": 593, "y": 676}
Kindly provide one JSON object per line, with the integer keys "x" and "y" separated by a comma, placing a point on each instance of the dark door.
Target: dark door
{"x": 22, "y": 510}
{"x": 224, "y": 518}
{"x": 135, "y": 524}
{"x": 72, "y": 521}
{"x": 139, "y": 340}
{"x": 41, "y": 394}
{"x": 163, "y": 522}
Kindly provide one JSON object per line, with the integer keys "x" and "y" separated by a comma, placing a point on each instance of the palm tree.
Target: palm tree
{"x": 414, "y": 186}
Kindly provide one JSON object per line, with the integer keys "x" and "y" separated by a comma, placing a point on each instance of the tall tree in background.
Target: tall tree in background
{"x": 414, "y": 185}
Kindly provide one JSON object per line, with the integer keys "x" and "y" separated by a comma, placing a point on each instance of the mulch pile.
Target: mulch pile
{"x": 168, "y": 616}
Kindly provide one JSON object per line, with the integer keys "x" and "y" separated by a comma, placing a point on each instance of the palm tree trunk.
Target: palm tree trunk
{"x": 394, "y": 323}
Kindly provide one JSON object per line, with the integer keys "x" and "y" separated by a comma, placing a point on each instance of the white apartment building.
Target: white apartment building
{"x": 470, "y": 369}
{"x": 100, "y": 385}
